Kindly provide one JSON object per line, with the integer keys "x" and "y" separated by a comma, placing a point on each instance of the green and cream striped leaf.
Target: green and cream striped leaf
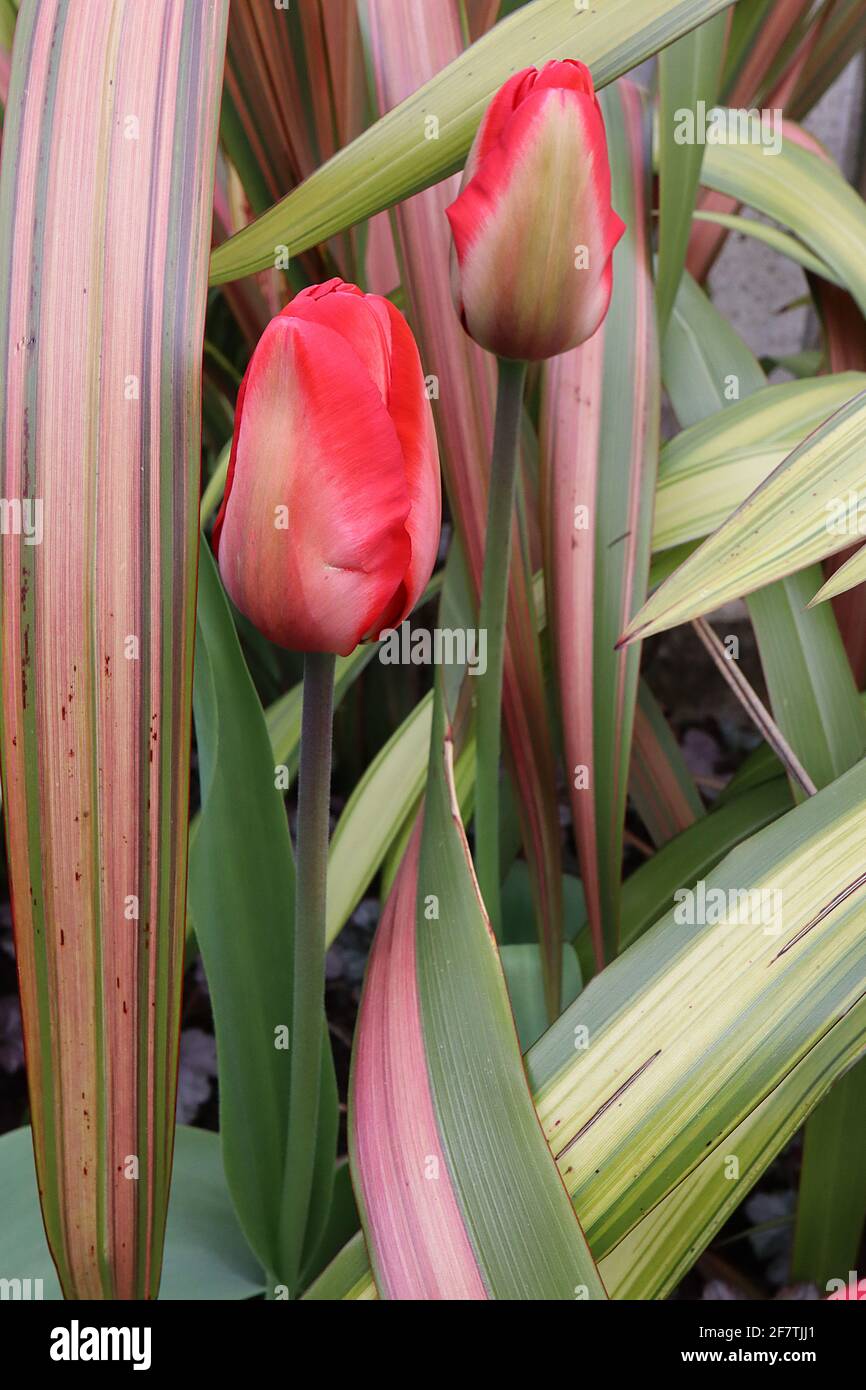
{"x": 677, "y": 1043}
{"x": 802, "y": 512}
{"x": 846, "y": 577}
{"x": 707, "y": 471}
{"x": 802, "y": 191}
{"x": 695, "y": 1024}
{"x": 809, "y": 679}
{"x": 105, "y": 220}
{"x": 690, "y": 375}
{"x": 771, "y": 236}
{"x": 649, "y": 892}
{"x": 815, "y": 702}
{"x": 393, "y": 159}
{"x": 663, "y": 1246}
{"x": 659, "y": 1251}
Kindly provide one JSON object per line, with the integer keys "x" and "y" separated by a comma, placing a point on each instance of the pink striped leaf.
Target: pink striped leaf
{"x": 442, "y": 1123}
{"x": 841, "y": 37}
{"x": 419, "y": 1243}
{"x": 105, "y": 207}
{"x": 251, "y": 300}
{"x": 464, "y": 398}
{"x": 278, "y": 87}
{"x": 481, "y": 16}
{"x": 295, "y": 92}
{"x": 761, "y": 45}
{"x": 599, "y": 452}
{"x": 659, "y": 781}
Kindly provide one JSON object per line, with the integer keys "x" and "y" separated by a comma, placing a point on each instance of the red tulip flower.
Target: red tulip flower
{"x": 329, "y": 527}
{"x": 533, "y": 227}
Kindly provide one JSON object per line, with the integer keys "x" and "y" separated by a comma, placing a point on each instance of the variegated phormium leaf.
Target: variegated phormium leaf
{"x": 701, "y": 1031}
{"x": 105, "y": 211}
{"x": 799, "y": 514}
{"x": 599, "y": 451}
{"x": 441, "y": 1119}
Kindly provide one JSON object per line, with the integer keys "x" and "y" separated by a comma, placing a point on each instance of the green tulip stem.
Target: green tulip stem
{"x": 307, "y": 1031}
{"x": 494, "y": 605}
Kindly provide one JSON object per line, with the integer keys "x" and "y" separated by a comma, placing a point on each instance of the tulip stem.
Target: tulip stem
{"x": 305, "y": 1044}
{"x": 494, "y": 606}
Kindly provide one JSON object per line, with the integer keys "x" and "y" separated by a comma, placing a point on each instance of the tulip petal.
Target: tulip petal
{"x": 302, "y": 519}
{"x": 413, "y": 420}
{"x": 568, "y": 74}
{"x": 497, "y": 116}
{"x": 379, "y": 334}
{"x": 352, "y": 314}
